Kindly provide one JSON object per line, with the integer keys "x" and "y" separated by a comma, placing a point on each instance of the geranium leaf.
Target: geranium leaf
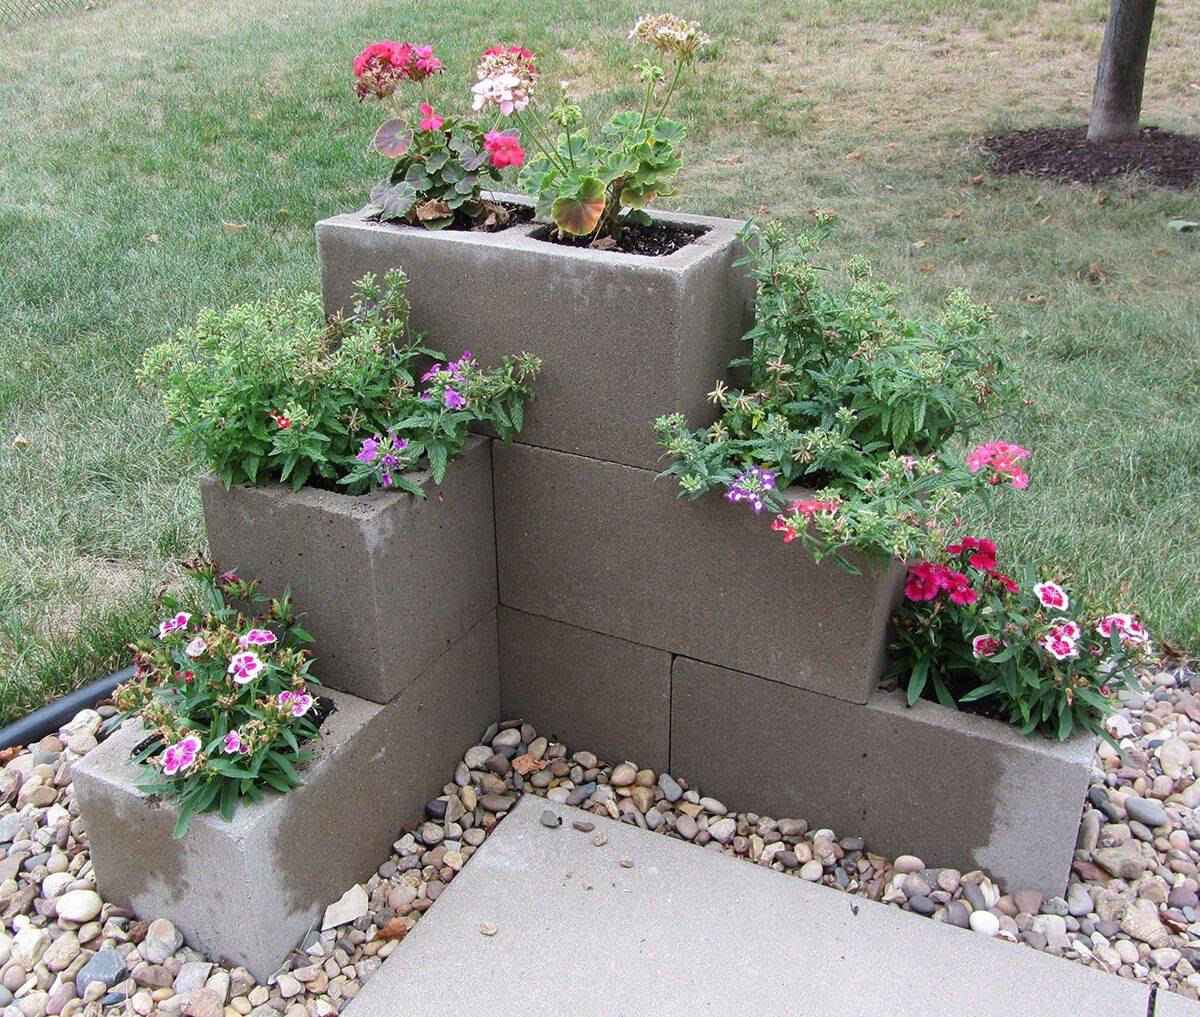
{"x": 392, "y": 139}
{"x": 579, "y": 214}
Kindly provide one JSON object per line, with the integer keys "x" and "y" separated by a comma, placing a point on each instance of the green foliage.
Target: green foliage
{"x": 219, "y": 735}
{"x": 272, "y": 391}
{"x": 585, "y": 181}
{"x": 851, "y": 398}
{"x": 594, "y": 181}
{"x": 966, "y": 634}
{"x": 437, "y": 176}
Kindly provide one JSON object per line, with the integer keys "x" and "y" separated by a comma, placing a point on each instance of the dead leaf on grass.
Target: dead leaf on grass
{"x": 952, "y": 213}
{"x": 233, "y": 227}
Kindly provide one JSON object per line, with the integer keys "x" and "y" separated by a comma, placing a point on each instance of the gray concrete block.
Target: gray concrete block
{"x": 608, "y": 548}
{"x": 247, "y": 891}
{"x": 386, "y": 581}
{"x": 623, "y": 338}
{"x": 592, "y": 691}
{"x": 685, "y": 931}
{"x": 955, "y": 789}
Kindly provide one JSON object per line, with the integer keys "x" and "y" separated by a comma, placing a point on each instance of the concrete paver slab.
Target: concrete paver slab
{"x": 689, "y": 931}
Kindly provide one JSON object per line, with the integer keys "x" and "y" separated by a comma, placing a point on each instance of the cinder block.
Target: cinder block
{"x": 386, "y": 581}
{"x": 247, "y": 891}
{"x": 955, "y": 789}
{"x": 608, "y": 548}
{"x": 592, "y": 691}
{"x": 623, "y": 338}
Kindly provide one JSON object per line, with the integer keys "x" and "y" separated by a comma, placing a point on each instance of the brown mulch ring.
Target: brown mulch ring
{"x": 1062, "y": 153}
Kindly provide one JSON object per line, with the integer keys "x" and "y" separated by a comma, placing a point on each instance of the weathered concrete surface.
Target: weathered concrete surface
{"x": 957, "y": 790}
{"x": 607, "y": 694}
{"x": 386, "y": 581}
{"x": 608, "y": 548}
{"x": 1171, "y": 1004}
{"x": 248, "y": 890}
{"x": 623, "y": 338}
{"x": 689, "y": 931}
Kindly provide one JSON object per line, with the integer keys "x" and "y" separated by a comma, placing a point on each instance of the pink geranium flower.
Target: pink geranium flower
{"x": 172, "y": 625}
{"x": 505, "y": 149}
{"x": 195, "y": 648}
{"x": 298, "y": 702}
{"x": 986, "y": 646}
{"x": 431, "y": 121}
{"x": 245, "y": 667}
{"x": 257, "y": 637}
{"x": 179, "y": 757}
{"x": 1052, "y": 596}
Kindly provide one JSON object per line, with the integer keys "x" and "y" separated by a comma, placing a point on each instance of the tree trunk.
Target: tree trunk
{"x": 1117, "y": 98}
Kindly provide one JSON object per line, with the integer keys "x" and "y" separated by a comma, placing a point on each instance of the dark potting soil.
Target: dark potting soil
{"x": 655, "y": 240}
{"x": 1063, "y": 153}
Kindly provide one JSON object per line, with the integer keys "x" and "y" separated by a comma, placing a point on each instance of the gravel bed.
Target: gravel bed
{"x": 1131, "y": 907}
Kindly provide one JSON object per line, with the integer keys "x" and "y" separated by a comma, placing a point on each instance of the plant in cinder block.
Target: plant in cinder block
{"x": 594, "y": 182}
{"x": 226, "y": 698}
{"x": 1033, "y": 653}
{"x": 271, "y": 390}
{"x": 441, "y": 160}
{"x": 849, "y": 397}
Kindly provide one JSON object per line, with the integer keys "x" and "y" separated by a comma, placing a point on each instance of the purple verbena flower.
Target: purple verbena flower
{"x": 369, "y": 450}
{"x": 453, "y": 400}
{"x": 750, "y": 486}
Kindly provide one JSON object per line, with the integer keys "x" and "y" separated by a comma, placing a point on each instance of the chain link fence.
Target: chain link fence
{"x": 18, "y": 12}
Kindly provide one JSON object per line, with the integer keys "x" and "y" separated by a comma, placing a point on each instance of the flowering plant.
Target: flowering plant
{"x": 226, "y": 698}
{"x": 583, "y": 178}
{"x": 455, "y": 396}
{"x": 441, "y": 159}
{"x": 273, "y": 391}
{"x": 855, "y": 401}
{"x": 1031, "y": 652}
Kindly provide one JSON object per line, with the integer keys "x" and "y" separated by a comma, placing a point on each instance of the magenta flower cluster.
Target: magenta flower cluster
{"x": 386, "y": 454}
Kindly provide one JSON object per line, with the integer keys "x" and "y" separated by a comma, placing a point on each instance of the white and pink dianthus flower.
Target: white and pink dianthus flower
{"x": 173, "y": 625}
{"x": 1052, "y": 595}
{"x": 179, "y": 757}
{"x": 299, "y": 703}
{"x": 245, "y": 667}
{"x": 257, "y": 637}
{"x": 236, "y": 744}
{"x": 196, "y": 647}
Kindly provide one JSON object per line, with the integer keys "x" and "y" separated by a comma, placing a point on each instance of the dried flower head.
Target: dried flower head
{"x": 671, "y": 34}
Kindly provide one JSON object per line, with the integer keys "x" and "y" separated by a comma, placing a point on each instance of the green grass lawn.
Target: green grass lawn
{"x": 161, "y": 156}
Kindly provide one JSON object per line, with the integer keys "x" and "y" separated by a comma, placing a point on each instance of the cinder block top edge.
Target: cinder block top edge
{"x": 357, "y": 506}
{"x": 720, "y": 234}
{"x": 109, "y": 764}
{"x": 956, "y": 723}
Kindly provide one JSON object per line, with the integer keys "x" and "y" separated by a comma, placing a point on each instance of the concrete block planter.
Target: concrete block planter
{"x": 957, "y": 790}
{"x": 585, "y": 688}
{"x": 605, "y": 547}
{"x": 642, "y": 335}
{"x": 247, "y": 891}
{"x": 386, "y": 581}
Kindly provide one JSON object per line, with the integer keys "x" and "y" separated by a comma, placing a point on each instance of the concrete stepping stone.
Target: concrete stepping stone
{"x": 642, "y": 923}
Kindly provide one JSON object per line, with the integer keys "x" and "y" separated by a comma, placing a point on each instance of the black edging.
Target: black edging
{"x": 49, "y": 718}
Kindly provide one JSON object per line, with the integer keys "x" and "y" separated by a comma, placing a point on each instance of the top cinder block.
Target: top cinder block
{"x": 623, "y": 338}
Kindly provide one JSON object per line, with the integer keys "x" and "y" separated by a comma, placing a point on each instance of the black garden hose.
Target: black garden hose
{"x": 48, "y": 719}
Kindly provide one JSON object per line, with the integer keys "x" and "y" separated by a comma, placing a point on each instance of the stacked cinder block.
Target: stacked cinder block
{"x": 400, "y": 595}
{"x": 684, "y": 634}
